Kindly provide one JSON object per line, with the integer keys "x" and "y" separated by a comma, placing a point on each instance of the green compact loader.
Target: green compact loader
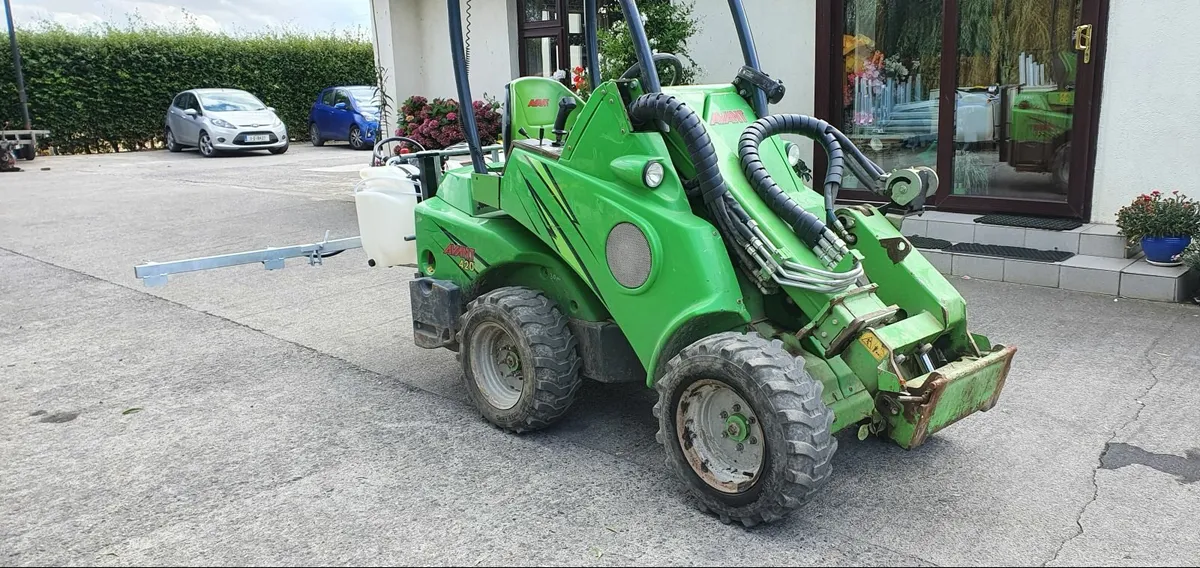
{"x": 657, "y": 233}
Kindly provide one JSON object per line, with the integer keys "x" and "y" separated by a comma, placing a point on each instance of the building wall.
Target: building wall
{"x": 412, "y": 43}
{"x": 785, "y": 37}
{"x": 1149, "y": 112}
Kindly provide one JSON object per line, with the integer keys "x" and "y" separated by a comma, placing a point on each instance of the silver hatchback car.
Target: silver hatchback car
{"x": 223, "y": 120}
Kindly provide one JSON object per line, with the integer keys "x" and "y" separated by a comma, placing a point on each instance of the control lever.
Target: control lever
{"x": 566, "y": 106}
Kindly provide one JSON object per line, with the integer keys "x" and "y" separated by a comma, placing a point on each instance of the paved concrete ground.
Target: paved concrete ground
{"x": 286, "y": 418}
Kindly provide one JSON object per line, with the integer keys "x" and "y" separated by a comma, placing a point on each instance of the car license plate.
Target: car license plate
{"x": 258, "y": 138}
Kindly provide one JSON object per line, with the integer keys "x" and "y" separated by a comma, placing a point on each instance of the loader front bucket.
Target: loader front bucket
{"x": 948, "y": 394}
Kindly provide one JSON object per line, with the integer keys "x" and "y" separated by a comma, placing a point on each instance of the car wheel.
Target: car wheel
{"x": 356, "y": 139}
{"x": 314, "y": 134}
{"x": 206, "y": 145}
{"x": 280, "y": 149}
{"x": 172, "y": 143}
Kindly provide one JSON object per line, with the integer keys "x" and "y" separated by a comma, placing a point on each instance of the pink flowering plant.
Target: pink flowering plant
{"x": 435, "y": 123}
{"x": 1159, "y": 215}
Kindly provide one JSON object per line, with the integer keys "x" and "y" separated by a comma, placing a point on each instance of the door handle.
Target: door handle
{"x": 1083, "y": 41}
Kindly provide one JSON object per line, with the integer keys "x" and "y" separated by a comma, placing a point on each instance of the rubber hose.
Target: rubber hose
{"x": 806, "y": 225}
{"x": 684, "y": 121}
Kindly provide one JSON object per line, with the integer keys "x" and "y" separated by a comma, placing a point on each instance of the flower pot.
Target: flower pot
{"x": 1163, "y": 251}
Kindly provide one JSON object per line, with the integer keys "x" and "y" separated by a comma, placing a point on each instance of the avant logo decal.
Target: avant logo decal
{"x": 461, "y": 251}
{"x": 465, "y": 254}
{"x": 727, "y": 117}
{"x": 539, "y": 102}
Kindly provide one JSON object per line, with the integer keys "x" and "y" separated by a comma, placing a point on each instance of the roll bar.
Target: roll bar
{"x": 641, "y": 46}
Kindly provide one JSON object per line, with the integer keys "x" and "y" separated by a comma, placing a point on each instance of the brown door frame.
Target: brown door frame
{"x": 557, "y": 28}
{"x": 1089, "y": 79}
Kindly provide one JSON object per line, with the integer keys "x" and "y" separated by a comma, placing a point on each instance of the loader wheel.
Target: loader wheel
{"x": 520, "y": 361}
{"x": 1060, "y": 168}
{"x": 745, "y": 427}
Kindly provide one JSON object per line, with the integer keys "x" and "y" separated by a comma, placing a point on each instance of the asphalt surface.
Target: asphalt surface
{"x": 242, "y": 416}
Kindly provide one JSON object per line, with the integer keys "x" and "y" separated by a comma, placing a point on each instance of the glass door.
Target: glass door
{"x": 1007, "y": 121}
{"x": 1017, "y": 77}
{"x": 891, "y": 57}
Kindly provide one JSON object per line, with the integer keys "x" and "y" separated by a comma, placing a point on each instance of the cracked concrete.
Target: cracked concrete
{"x": 286, "y": 416}
{"x": 1141, "y": 405}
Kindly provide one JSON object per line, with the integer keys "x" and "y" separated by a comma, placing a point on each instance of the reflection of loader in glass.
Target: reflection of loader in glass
{"x": 1036, "y": 133}
{"x": 1039, "y": 126}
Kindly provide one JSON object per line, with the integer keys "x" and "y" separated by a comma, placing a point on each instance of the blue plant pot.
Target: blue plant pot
{"x": 1163, "y": 250}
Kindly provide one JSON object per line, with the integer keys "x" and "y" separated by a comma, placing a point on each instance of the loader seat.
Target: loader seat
{"x": 532, "y": 103}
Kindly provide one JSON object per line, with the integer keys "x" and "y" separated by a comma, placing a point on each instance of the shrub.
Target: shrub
{"x": 106, "y": 89}
{"x": 1154, "y": 215}
{"x": 435, "y": 124}
{"x": 668, "y": 25}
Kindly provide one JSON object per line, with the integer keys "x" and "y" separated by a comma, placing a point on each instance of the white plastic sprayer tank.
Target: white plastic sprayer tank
{"x": 385, "y": 199}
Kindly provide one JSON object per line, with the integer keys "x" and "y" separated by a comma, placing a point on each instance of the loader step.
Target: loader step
{"x": 1028, "y": 222}
{"x": 1016, "y": 253}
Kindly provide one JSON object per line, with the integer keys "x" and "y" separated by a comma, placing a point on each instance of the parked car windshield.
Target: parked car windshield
{"x": 366, "y": 97}
{"x": 230, "y": 102}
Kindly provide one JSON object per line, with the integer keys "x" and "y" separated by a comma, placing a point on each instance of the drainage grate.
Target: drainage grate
{"x": 1047, "y": 223}
{"x": 1016, "y": 253}
{"x": 928, "y": 242}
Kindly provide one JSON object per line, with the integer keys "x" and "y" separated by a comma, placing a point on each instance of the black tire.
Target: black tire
{"x": 547, "y": 366}
{"x": 355, "y": 138}
{"x": 315, "y": 134}
{"x": 785, "y": 404}
{"x": 29, "y": 152}
{"x": 172, "y": 144}
{"x": 280, "y": 149}
{"x": 205, "y": 143}
{"x": 1060, "y": 168}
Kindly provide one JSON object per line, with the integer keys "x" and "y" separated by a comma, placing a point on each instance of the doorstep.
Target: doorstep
{"x": 1091, "y": 239}
{"x": 1122, "y": 277}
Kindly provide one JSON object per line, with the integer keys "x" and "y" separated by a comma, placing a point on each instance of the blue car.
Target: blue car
{"x": 349, "y": 114}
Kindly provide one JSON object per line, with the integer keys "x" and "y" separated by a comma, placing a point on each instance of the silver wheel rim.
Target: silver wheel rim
{"x": 496, "y": 365}
{"x": 720, "y": 435}
{"x": 206, "y": 145}
{"x": 355, "y": 138}
{"x": 170, "y": 139}
{"x": 313, "y": 133}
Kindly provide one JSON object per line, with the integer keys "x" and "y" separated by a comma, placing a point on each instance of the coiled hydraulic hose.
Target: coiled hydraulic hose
{"x": 750, "y": 245}
{"x": 836, "y": 145}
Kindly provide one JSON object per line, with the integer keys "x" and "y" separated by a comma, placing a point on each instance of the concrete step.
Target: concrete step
{"x": 1089, "y": 240}
{"x": 1122, "y": 277}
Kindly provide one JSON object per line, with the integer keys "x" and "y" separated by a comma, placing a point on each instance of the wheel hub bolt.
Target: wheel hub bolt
{"x": 737, "y": 408}
{"x": 753, "y": 440}
{"x": 724, "y": 415}
{"x": 724, "y": 434}
{"x": 740, "y": 447}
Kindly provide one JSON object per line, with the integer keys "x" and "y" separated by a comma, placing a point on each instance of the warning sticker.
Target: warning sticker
{"x": 874, "y": 345}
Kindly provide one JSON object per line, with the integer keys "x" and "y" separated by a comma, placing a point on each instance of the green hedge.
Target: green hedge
{"x": 109, "y": 89}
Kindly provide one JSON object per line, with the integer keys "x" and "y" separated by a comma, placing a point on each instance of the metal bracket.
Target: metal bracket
{"x": 155, "y": 273}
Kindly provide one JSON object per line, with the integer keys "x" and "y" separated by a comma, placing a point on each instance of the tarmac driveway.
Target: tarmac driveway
{"x": 242, "y": 416}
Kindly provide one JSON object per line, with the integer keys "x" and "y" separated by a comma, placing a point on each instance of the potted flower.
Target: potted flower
{"x": 1164, "y": 225}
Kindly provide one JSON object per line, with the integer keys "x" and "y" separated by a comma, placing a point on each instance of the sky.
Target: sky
{"x": 230, "y": 16}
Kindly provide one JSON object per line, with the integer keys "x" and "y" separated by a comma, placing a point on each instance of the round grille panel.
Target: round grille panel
{"x": 628, "y": 255}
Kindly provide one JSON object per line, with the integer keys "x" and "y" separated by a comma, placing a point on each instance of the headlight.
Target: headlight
{"x": 653, "y": 175}
{"x": 793, "y": 153}
{"x": 277, "y": 122}
{"x": 371, "y": 117}
{"x": 221, "y": 123}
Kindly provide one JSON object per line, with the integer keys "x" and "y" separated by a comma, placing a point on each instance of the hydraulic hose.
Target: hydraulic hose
{"x": 836, "y": 145}
{"x": 750, "y": 245}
